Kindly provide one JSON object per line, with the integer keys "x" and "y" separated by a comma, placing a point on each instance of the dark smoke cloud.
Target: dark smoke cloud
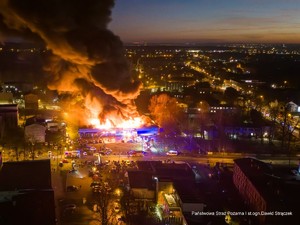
{"x": 86, "y": 57}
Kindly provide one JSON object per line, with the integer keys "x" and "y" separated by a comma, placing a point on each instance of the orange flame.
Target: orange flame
{"x": 125, "y": 124}
{"x": 125, "y": 117}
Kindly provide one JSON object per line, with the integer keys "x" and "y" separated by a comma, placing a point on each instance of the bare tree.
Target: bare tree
{"x": 31, "y": 144}
{"x": 105, "y": 196}
{"x": 288, "y": 125}
{"x": 274, "y": 109}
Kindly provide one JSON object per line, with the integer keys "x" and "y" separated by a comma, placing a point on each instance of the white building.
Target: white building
{"x": 35, "y": 133}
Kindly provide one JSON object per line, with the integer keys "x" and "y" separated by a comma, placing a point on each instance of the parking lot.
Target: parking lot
{"x": 77, "y": 190}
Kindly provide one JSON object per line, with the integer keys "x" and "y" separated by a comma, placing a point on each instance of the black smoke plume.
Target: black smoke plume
{"x": 86, "y": 58}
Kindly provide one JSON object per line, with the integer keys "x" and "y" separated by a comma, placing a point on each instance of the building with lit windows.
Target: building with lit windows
{"x": 170, "y": 186}
{"x": 267, "y": 188}
{"x": 179, "y": 83}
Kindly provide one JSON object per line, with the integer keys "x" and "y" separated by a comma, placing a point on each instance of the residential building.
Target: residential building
{"x": 170, "y": 185}
{"x": 35, "y": 133}
{"x": 266, "y": 188}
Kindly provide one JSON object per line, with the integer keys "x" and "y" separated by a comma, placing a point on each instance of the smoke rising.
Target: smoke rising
{"x": 86, "y": 58}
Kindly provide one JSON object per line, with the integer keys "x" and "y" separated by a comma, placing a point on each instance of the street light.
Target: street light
{"x": 56, "y": 148}
{"x": 118, "y": 192}
{"x": 156, "y": 188}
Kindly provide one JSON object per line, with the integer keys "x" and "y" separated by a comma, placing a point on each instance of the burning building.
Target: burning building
{"x": 85, "y": 60}
{"x": 118, "y": 134}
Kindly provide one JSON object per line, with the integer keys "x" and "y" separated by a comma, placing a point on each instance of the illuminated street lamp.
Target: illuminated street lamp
{"x": 228, "y": 218}
{"x": 118, "y": 192}
{"x": 156, "y": 188}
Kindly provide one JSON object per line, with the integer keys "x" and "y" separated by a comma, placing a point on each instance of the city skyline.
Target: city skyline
{"x": 206, "y": 21}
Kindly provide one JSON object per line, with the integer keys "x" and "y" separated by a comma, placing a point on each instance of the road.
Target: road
{"x": 229, "y": 159}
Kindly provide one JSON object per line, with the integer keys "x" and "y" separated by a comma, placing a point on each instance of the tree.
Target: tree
{"x": 274, "y": 112}
{"x": 258, "y": 121}
{"x": 101, "y": 203}
{"x": 203, "y": 106}
{"x": 288, "y": 126}
{"x": 14, "y": 138}
{"x": 231, "y": 94}
{"x": 166, "y": 112}
{"x": 106, "y": 193}
{"x": 198, "y": 122}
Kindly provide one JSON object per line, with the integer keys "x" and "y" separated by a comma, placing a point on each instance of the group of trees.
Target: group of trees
{"x": 13, "y": 139}
{"x": 21, "y": 146}
{"x": 168, "y": 114}
{"x": 281, "y": 115}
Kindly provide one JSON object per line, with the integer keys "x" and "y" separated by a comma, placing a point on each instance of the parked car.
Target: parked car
{"x": 93, "y": 148}
{"x": 108, "y": 151}
{"x": 72, "y": 188}
{"x": 106, "y": 186}
{"x": 135, "y": 153}
{"x": 70, "y": 207}
{"x": 96, "y": 188}
{"x": 120, "y": 218}
{"x": 145, "y": 153}
{"x": 101, "y": 152}
{"x": 72, "y": 171}
{"x": 95, "y": 183}
{"x": 131, "y": 153}
{"x": 117, "y": 208}
{"x": 128, "y": 162}
{"x": 89, "y": 163}
{"x": 113, "y": 169}
{"x": 172, "y": 152}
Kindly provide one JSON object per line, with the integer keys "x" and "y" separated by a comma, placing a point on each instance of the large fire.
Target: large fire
{"x": 125, "y": 124}
{"x": 83, "y": 57}
{"x": 125, "y": 117}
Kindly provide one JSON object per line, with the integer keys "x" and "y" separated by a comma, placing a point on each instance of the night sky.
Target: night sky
{"x": 267, "y": 21}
